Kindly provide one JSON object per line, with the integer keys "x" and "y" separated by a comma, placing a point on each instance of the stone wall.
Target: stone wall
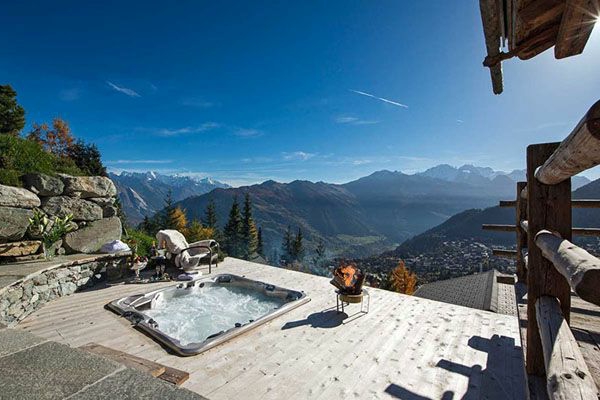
{"x": 90, "y": 199}
{"x": 26, "y": 295}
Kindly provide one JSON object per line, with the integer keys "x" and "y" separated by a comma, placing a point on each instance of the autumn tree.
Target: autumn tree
{"x": 196, "y": 231}
{"x": 56, "y": 139}
{"x": 12, "y": 115}
{"x": 249, "y": 231}
{"x": 233, "y": 231}
{"x": 401, "y": 280}
{"x": 177, "y": 220}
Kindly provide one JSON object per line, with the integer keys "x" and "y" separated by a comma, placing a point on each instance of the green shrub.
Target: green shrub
{"x": 20, "y": 156}
{"x": 140, "y": 239}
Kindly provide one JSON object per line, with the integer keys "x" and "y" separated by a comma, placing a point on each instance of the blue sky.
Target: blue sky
{"x": 249, "y": 91}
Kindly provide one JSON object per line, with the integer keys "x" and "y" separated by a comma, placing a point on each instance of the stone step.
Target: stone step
{"x": 34, "y": 368}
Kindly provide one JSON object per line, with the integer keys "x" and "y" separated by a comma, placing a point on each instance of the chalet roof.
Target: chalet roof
{"x": 481, "y": 291}
{"x": 526, "y": 28}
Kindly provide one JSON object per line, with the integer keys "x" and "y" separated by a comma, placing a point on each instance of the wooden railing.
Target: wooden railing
{"x": 549, "y": 263}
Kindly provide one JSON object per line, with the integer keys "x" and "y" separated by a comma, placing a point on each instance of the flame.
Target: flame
{"x": 348, "y": 274}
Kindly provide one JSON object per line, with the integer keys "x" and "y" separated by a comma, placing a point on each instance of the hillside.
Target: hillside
{"x": 459, "y": 246}
{"x": 362, "y": 217}
{"x": 143, "y": 194}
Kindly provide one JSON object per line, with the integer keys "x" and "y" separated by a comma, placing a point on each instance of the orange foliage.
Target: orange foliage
{"x": 56, "y": 139}
{"x": 401, "y": 280}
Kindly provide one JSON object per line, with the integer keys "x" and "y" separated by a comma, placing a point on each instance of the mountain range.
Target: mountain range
{"x": 143, "y": 193}
{"x": 364, "y": 216}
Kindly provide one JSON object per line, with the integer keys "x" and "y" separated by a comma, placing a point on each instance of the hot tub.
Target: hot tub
{"x": 192, "y": 317}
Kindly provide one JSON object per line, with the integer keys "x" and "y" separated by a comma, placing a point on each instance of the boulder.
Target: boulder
{"x": 91, "y": 238}
{"x": 17, "y": 249}
{"x": 103, "y": 201}
{"x": 14, "y": 223}
{"x": 109, "y": 211}
{"x": 82, "y": 210}
{"x": 17, "y": 197}
{"x": 43, "y": 185}
{"x": 89, "y": 186}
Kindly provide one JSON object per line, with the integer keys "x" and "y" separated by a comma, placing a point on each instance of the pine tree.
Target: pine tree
{"x": 401, "y": 280}
{"x": 259, "y": 243}
{"x": 12, "y": 115}
{"x": 87, "y": 158}
{"x": 249, "y": 232}
{"x": 164, "y": 219}
{"x": 286, "y": 248}
{"x": 319, "y": 259}
{"x": 177, "y": 220}
{"x": 210, "y": 214}
{"x": 298, "y": 246}
{"x": 233, "y": 231}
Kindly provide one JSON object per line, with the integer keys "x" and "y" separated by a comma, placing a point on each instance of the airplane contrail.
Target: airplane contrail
{"x": 379, "y": 98}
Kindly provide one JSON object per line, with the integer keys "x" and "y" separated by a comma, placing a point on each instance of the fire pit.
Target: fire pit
{"x": 349, "y": 280}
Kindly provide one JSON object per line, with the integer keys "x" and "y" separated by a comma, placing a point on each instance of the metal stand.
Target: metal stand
{"x": 342, "y": 298}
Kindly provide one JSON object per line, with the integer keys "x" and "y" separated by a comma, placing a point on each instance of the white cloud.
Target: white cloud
{"x": 124, "y": 90}
{"x": 395, "y": 103}
{"x": 196, "y": 102}
{"x": 115, "y": 162}
{"x": 188, "y": 129}
{"x": 354, "y": 121}
{"x": 460, "y": 121}
{"x": 297, "y": 155}
{"x": 247, "y": 133}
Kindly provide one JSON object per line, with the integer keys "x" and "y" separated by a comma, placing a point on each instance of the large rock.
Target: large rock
{"x": 13, "y": 222}
{"x": 17, "y": 197}
{"x": 82, "y": 210}
{"x": 93, "y": 236}
{"x": 17, "y": 249}
{"x": 89, "y": 186}
{"x": 43, "y": 185}
{"x": 103, "y": 201}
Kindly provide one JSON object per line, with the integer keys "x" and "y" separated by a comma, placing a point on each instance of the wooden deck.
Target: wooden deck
{"x": 405, "y": 348}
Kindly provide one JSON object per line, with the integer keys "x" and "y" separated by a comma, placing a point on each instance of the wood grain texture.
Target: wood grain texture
{"x": 580, "y": 268}
{"x": 403, "y": 348}
{"x": 521, "y": 215}
{"x": 567, "y": 374}
{"x": 548, "y": 207}
{"x": 578, "y": 152}
{"x": 576, "y": 26}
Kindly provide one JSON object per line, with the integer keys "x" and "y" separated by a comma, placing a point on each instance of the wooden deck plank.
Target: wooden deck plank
{"x": 405, "y": 345}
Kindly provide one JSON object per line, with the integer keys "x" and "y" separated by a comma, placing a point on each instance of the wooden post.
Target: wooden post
{"x": 580, "y": 268}
{"x": 568, "y": 376}
{"x": 521, "y": 214}
{"x": 548, "y": 207}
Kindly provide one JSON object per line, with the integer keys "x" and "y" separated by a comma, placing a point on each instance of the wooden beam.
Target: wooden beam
{"x": 507, "y": 203}
{"x": 585, "y": 203}
{"x": 536, "y": 44}
{"x": 498, "y": 227}
{"x": 577, "y": 23}
{"x": 548, "y": 207}
{"x": 520, "y": 215}
{"x": 504, "y": 253}
{"x": 578, "y": 152}
{"x": 586, "y": 231}
{"x": 538, "y": 13}
{"x": 567, "y": 374}
{"x": 580, "y": 268}
{"x": 491, "y": 30}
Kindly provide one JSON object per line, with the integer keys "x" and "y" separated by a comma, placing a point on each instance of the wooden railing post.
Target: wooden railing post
{"x": 548, "y": 207}
{"x": 521, "y": 214}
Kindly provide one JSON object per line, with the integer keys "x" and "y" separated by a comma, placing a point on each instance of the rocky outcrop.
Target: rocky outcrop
{"x": 17, "y": 197}
{"x": 81, "y": 210}
{"x": 90, "y": 238}
{"x": 43, "y": 185}
{"x": 89, "y": 186}
{"x": 13, "y": 223}
{"x": 19, "y": 249}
